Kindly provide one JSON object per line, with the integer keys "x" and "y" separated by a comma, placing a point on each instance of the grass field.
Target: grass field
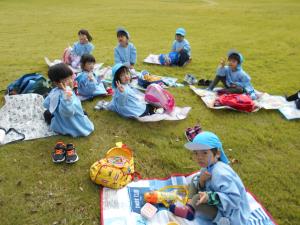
{"x": 35, "y": 191}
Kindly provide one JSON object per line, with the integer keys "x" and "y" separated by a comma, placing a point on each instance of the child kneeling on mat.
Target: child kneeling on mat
{"x": 234, "y": 78}
{"x": 217, "y": 193}
{"x": 64, "y": 112}
{"x": 127, "y": 101}
{"x": 88, "y": 85}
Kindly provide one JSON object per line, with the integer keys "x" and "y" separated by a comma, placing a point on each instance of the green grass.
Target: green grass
{"x": 35, "y": 191}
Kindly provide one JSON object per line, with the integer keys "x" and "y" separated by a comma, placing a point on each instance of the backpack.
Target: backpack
{"x": 29, "y": 83}
{"x": 159, "y": 97}
{"x": 66, "y": 58}
{"x": 115, "y": 170}
{"x": 239, "y": 102}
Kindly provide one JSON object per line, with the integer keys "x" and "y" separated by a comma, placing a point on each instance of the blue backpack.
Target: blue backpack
{"x": 30, "y": 83}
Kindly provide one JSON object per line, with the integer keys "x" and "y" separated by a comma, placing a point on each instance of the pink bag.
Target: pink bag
{"x": 159, "y": 97}
{"x": 67, "y": 56}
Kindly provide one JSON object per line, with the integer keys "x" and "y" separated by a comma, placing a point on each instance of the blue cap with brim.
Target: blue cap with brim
{"x": 205, "y": 141}
{"x": 180, "y": 31}
{"x": 114, "y": 69}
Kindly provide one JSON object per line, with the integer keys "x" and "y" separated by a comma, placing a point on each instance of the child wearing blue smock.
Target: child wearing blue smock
{"x": 127, "y": 101}
{"x": 64, "y": 111}
{"x": 234, "y": 78}
{"x": 217, "y": 193}
{"x": 125, "y": 51}
{"x": 88, "y": 85}
{"x": 180, "y": 52}
{"x": 81, "y": 47}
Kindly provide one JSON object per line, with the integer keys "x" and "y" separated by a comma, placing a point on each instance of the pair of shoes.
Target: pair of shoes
{"x": 64, "y": 153}
{"x": 203, "y": 82}
{"x": 102, "y": 105}
{"x": 190, "y": 79}
{"x": 191, "y": 133}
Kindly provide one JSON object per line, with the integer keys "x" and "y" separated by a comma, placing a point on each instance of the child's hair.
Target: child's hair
{"x": 236, "y": 57}
{"x": 122, "y": 70}
{"x": 86, "y": 58}
{"x": 214, "y": 151}
{"x": 59, "y": 72}
{"x": 85, "y": 32}
{"x": 121, "y": 33}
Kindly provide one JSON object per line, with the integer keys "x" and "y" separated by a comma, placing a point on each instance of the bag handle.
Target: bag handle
{"x": 136, "y": 176}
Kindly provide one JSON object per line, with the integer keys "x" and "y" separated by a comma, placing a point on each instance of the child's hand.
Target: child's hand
{"x": 67, "y": 90}
{"x": 120, "y": 86}
{"x": 91, "y": 76}
{"x": 203, "y": 178}
{"x": 222, "y": 62}
{"x": 203, "y": 198}
{"x": 180, "y": 49}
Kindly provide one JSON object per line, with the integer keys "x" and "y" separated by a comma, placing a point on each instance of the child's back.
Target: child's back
{"x": 68, "y": 116}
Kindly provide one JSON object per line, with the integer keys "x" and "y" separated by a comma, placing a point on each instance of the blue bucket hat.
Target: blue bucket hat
{"x": 123, "y": 30}
{"x": 231, "y": 52}
{"x": 180, "y": 31}
{"x": 205, "y": 141}
{"x": 114, "y": 69}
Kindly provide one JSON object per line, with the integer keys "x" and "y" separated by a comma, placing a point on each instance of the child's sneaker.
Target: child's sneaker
{"x": 159, "y": 111}
{"x": 71, "y": 155}
{"x": 185, "y": 211}
{"x": 59, "y": 152}
{"x": 191, "y": 133}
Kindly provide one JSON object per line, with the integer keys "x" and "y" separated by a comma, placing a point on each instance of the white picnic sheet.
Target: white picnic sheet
{"x": 24, "y": 113}
{"x": 152, "y": 59}
{"x": 265, "y": 101}
{"x": 123, "y": 206}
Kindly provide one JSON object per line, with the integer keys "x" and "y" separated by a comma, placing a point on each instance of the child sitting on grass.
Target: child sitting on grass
{"x": 126, "y": 101}
{"x": 180, "y": 53}
{"x": 217, "y": 193}
{"x": 64, "y": 112}
{"x": 125, "y": 52}
{"x": 88, "y": 85}
{"x": 81, "y": 47}
{"x": 234, "y": 78}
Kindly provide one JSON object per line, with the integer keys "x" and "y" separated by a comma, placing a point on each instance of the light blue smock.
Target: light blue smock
{"x": 127, "y": 103}
{"x": 234, "y": 205}
{"x": 182, "y": 44}
{"x": 89, "y": 88}
{"x": 81, "y": 49}
{"x": 125, "y": 55}
{"x": 68, "y": 116}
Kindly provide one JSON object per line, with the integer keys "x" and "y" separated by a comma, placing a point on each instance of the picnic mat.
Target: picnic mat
{"x": 179, "y": 113}
{"x": 265, "y": 101}
{"x": 106, "y": 75}
{"x": 122, "y": 207}
{"x": 22, "y": 115}
{"x": 152, "y": 59}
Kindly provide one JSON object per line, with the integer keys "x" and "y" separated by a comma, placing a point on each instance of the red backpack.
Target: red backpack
{"x": 239, "y": 102}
